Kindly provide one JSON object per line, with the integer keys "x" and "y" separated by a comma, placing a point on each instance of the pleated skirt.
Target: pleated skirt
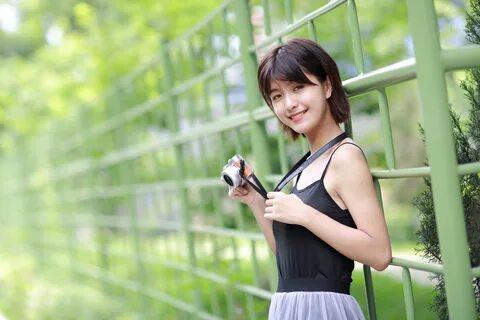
{"x": 317, "y": 305}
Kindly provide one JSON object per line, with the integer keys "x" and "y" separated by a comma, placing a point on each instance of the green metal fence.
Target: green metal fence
{"x": 140, "y": 210}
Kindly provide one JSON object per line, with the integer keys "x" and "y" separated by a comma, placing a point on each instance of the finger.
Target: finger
{"x": 272, "y": 194}
{"x": 238, "y": 191}
{"x": 269, "y": 216}
{"x": 269, "y": 209}
{"x": 269, "y": 202}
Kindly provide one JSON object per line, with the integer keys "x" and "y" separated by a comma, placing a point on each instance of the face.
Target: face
{"x": 301, "y": 106}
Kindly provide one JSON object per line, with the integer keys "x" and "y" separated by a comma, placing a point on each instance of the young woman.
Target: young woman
{"x": 332, "y": 216}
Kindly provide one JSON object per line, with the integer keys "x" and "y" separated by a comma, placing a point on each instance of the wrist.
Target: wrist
{"x": 257, "y": 204}
{"x": 307, "y": 217}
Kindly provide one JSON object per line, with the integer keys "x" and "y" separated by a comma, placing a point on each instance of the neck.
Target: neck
{"x": 323, "y": 136}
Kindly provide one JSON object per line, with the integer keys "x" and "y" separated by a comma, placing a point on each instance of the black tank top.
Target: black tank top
{"x": 304, "y": 261}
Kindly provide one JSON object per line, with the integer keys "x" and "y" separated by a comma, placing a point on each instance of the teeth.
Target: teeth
{"x": 297, "y": 114}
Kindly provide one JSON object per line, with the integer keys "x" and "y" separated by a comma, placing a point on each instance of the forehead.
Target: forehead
{"x": 276, "y": 84}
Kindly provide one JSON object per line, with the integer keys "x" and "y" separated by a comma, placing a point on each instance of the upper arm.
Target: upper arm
{"x": 354, "y": 185}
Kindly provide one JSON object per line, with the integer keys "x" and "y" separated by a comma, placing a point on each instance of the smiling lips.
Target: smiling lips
{"x": 297, "y": 116}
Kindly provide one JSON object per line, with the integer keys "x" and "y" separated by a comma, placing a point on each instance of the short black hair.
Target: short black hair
{"x": 290, "y": 62}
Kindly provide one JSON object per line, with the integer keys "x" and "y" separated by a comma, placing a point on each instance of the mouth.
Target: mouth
{"x": 297, "y": 116}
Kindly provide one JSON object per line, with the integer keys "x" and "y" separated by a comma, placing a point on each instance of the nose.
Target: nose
{"x": 290, "y": 101}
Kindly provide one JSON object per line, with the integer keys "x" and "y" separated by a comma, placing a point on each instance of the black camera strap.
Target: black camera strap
{"x": 306, "y": 160}
{"x": 257, "y": 185}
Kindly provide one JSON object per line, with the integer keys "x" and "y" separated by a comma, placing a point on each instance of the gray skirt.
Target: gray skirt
{"x": 315, "y": 305}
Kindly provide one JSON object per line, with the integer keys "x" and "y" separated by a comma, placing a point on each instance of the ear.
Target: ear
{"x": 327, "y": 88}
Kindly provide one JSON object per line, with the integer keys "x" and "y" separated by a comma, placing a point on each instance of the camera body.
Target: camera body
{"x": 236, "y": 171}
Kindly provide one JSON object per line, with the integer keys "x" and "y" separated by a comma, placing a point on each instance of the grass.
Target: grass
{"x": 389, "y": 297}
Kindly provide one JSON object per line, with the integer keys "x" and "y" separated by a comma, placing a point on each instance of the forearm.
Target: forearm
{"x": 353, "y": 243}
{"x": 266, "y": 225}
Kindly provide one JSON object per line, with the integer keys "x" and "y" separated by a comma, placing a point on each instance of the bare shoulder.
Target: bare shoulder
{"x": 349, "y": 160}
{"x": 348, "y": 152}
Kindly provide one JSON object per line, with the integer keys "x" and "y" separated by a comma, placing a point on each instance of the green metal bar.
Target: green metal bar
{"x": 312, "y": 31}
{"x": 34, "y": 236}
{"x": 460, "y": 58}
{"x": 179, "y": 170}
{"x": 452, "y": 59}
{"x": 209, "y": 45}
{"x": 255, "y": 265}
{"x": 381, "y": 78}
{"x": 418, "y": 265}
{"x": 115, "y": 191}
{"x": 332, "y": 4}
{"x": 287, "y": 4}
{"x": 196, "y": 28}
{"x": 441, "y": 154}
{"x": 370, "y": 294}
{"x": 267, "y": 21}
{"x": 226, "y": 42}
{"x": 257, "y": 134}
{"x": 356, "y": 38}
{"x": 408, "y": 294}
{"x": 386, "y": 129}
{"x": 251, "y": 308}
{"x": 476, "y": 272}
{"x": 282, "y": 152}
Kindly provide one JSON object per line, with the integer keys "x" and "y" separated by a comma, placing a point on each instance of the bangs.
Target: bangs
{"x": 283, "y": 67}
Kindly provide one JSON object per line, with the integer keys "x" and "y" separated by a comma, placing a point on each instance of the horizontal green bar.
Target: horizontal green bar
{"x": 227, "y": 232}
{"x": 476, "y": 272}
{"x": 461, "y": 58}
{"x": 114, "y": 122}
{"x": 79, "y": 195}
{"x": 417, "y": 265}
{"x": 98, "y": 273}
{"x": 138, "y": 110}
{"x": 463, "y": 169}
{"x": 206, "y": 274}
{"x": 103, "y": 275}
{"x": 258, "y": 292}
{"x": 179, "y": 304}
{"x": 381, "y": 78}
{"x": 204, "y": 76}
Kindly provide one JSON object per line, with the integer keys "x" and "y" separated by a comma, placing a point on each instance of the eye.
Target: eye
{"x": 298, "y": 87}
{"x": 275, "y": 97}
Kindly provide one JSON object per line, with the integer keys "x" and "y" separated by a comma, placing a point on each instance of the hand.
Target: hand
{"x": 286, "y": 208}
{"x": 247, "y": 195}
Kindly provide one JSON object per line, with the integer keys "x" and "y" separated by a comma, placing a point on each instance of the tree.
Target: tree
{"x": 467, "y": 142}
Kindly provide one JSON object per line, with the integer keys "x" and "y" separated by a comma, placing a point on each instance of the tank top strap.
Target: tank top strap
{"x": 333, "y": 152}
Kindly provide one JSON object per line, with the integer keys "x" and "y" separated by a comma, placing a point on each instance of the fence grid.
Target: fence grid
{"x": 142, "y": 213}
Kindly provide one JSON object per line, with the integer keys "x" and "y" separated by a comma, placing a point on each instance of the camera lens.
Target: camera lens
{"x": 228, "y": 180}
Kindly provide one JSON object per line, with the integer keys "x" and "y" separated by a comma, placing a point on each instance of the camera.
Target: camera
{"x": 236, "y": 171}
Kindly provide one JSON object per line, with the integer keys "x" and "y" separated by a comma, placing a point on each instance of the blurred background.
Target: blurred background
{"x": 87, "y": 214}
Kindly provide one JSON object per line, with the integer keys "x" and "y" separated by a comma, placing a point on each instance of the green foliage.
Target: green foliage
{"x": 467, "y": 142}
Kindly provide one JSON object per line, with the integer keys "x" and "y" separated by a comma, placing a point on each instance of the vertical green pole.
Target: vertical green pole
{"x": 249, "y": 60}
{"x": 356, "y": 38}
{"x": 408, "y": 293}
{"x": 372, "y": 310}
{"x": 288, "y": 11}
{"x": 172, "y": 122}
{"x": 386, "y": 128}
{"x": 442, "y": 159}
{"x": 30, "y": 199}
{"x": 267, "y": 22}
{"x": 24, "y": 200}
